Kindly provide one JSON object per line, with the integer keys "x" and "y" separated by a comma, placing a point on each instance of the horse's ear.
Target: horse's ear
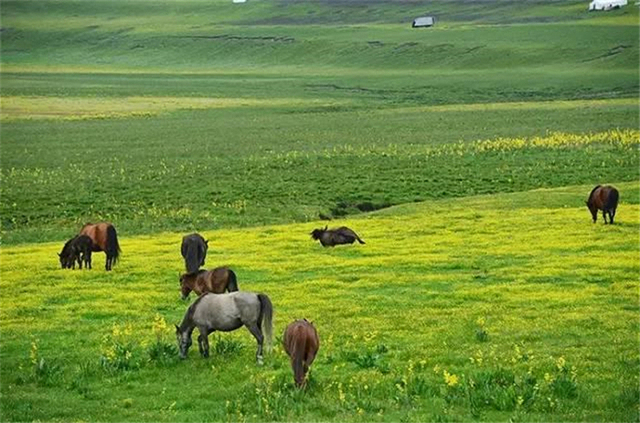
{"x": 206, "y": 241}
{"x": 177, "y": 328}
{"x": 59, "y": 255}
{"x": 326, "y": 227}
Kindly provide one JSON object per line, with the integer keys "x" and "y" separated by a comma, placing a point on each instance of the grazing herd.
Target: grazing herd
{"x": 215, "y": 310}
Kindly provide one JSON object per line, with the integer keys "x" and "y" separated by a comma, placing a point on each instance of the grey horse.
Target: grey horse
{"x": 226, "y": 312}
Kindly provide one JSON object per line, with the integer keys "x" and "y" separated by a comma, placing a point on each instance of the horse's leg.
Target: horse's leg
{"x": 612, "y": 213}
{"x": 88, "y": 256}
{"x": 604, "y": 216}
{"x": 203, "y": 341}
{"x": 257, "y": 333}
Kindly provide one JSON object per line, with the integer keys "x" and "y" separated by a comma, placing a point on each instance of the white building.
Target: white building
{"x": 606, "y": 4}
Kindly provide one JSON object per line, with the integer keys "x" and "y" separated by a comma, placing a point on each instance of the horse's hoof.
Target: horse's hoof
{"x": 260, "y": 361}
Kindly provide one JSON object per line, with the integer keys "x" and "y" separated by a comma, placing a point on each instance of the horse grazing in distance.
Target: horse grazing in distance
{"x": 603, "y": 198}
{"x": 226, "y": 312}
{"x": 77, "y": 249}
{"x": 215, "y": 281}
{"x": 331, "y": 237}
{"x": 104, "y": 238}
{"x": 301, "y": 344}
{"x": 194, "y": 250}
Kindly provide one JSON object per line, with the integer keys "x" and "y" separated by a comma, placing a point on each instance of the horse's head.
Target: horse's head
{"x": 317, "y": 233}
{"x": 65, "y": 261}
{"x": 184, "y": 341}
{"x": 185, "y": 286}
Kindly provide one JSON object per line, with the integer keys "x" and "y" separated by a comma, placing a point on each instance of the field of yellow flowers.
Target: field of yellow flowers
{"x": 512, "y": 306}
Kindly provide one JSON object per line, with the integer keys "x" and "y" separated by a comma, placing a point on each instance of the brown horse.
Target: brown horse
{"x": 603, "y": 198}
{"x": 301, "y": 344}
{"x": 104, "y": 238}
{"x": 332, "y": 237}
{"x": 216, "y": 281}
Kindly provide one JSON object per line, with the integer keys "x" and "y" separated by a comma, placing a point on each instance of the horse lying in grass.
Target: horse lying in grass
{"x": 301, "y": 344}
{"x": 215, "y": 281}
{"x": 603, "y": 198}
{"x": 77, "y": 249}
{"x": 226, "y": 312}
{"x": 332, "y": 237}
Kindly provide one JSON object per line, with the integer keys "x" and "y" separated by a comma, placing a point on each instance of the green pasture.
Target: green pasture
{"x": 462, "y": 154}
{"x": 486, "y": 308}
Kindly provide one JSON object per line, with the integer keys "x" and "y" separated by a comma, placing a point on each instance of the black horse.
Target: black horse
{"x": 194, "y": 250}
{"x": 331, "y": 237}
{"x": 77, "y": 249}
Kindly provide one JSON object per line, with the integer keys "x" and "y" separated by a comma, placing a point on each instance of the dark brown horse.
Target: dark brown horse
{"x": 104, "y": 238}
{"x": 194, "y": 250}
{"x": 603, "y": 198}
{"x": 301, "y": 344}
{"x": 77, "y": 249}
{"x": 331, "y": 237}
{"x": 216, "y": 281}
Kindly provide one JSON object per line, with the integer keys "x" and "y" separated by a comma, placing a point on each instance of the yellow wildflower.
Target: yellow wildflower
{"x": 450, "y": 379}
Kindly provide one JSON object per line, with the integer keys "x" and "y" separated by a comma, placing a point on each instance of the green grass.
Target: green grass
{"x": 164, "y": 116}
{"x": 484, "y": 294}
{"x": 519, "y": 296}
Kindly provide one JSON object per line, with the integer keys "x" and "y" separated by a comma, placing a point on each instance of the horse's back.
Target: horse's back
{"x": 99, "y": 234}
{"x": 223, "y": 309}
{"x": 604, "y": 197}
{"x": 301, "y": 337}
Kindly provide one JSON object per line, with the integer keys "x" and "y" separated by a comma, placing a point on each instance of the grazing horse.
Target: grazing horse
{"x": 194, "y": 250}
{"x": 77, "y": 249}
{"x": 215, "y": 281}
{"x": 104, "y": 238}
{"x": 226, "y": 312}
{"x": 331, "y": 237}
{"x": 603, "y": 198}
{"x": 301, "y": 344}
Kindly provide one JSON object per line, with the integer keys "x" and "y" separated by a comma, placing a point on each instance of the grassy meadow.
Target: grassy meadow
{"x": 493, "y": 308}
{"x": 462, "y": 154}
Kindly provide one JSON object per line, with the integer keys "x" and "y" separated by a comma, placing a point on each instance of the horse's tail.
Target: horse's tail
{"x": 192, "y": 259}
{"x": 266, "y": 316}
{"x": 113, "y": 248}
{"x": 299, "y": 348}
{"x": 612, "y": 200}
{"x": 232, "y": 284}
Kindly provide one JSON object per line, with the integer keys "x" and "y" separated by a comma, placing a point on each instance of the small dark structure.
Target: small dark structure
{"x": 215, "y": 281}
{"x": 423, "y": 22}
{"x": 104, "y": 238}
{"x": 77, "y": 249}
{"x": 301, "y": 344}
{"x": 332, "y": 237}
{"x": 603, "y": 198}
{"x": 194, "y": 251}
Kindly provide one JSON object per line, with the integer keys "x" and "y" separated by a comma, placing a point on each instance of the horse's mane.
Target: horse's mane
{"x": 592, "y": 191}
{"x": 188, "y": 317}
{"x": 66, "y": 250}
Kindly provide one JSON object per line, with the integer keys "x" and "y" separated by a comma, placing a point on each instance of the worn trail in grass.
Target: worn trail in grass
{"x": 481, "y": 308}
